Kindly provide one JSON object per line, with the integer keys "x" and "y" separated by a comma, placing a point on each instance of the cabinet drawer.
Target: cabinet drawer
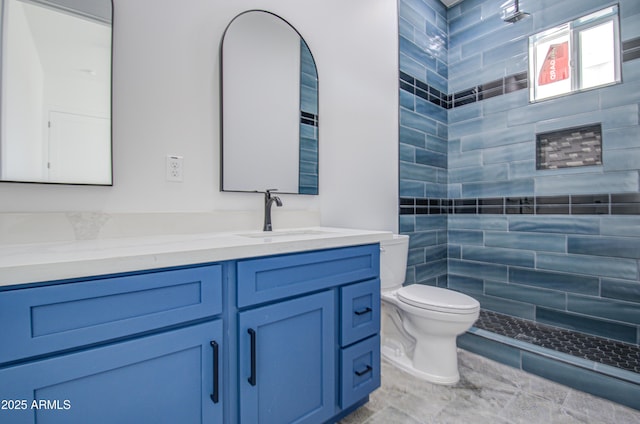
{"x": 360, "y": 371}
{"x": 360, "y": 311}
{"x": 36, "y": 321}
{"x": 271, "y": 278}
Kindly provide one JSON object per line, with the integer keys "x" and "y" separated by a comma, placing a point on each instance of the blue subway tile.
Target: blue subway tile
{"x": 621, "y": 247}
{"x": 412, "y": 137}
{"x": 478, "y": 270}
{"x": 417, "y": 122}
{"x": 411, "y": 189}
{"x": 499, "y": 137}
{"x": 475, "y": 174}
{"x": 431, "y": 222}
{"x": 430, "y": 270}
{"x": 597, "y": 307}
{"x": 420, "y": 8}
{"x": 619, "y": 289}
{"x": 437, "y": 144}
{"x": 423, "y": 239}
{"x": 493, "y": 350}
{"x": 474, "y": 32}
{"x": 458, "y": 68}
{"x": 555, "y": 281}
{"x": 522, "y": 170}
{"x": 621, "y": 138}
{"x": 426, "y": 157}
{"x": 416, "y": 53}
{"x": 523, "y": 187}
{"x": 415, "y": 256}
{"x": 555, "y": 224}
{"x": 505, "y": 306}
{"x": 435, "y": 253}
{"x": 478, "y": 222}
{"x": 407, "y": 153}
{"x": 407, "y": 100}
{"x": 589, "y": 265}
{"x": 427, "y": 108}
{"x": 407, "y": 224}
{"x": 508, "y": 154}
{"x": 527, "y": 241}
{"x": 531, "y": 295}
{"x": 503, "y": 34}
{"x": 464, "y": 159}
{"x": 412, "y": 67}
{"x": 465, "y": 237}
{"x": 588, "y": 183}
{"x": 506, "y": 102}
{"x": 507, "y": 51}
{"x": 417, "y": 172}
{"x": 621, "y": 160}
{"x": 521, "y": 258}
{"x": 599, "y": 327}
{"x": 410, "y": 14}
{"x": 405, "y": 28}
{"x": 466, "y": 284}
{"x": 466, "y": 20}
{"x": 454, "y": 251}
{"x": 625, "y": 226}
{"x": 555, "y": 108}
{"x": 579, "y": 378}
{"x": 465, "y": 113}
{"x": 620, "y": 94}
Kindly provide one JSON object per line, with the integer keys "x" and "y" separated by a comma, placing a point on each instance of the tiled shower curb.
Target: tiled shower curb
{"x": 601, "y": 380}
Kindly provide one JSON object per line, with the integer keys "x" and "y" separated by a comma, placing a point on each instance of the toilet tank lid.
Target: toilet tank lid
{"x": 430, "y": 297}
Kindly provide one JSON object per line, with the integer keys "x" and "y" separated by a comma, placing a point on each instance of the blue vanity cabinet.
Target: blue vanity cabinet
{"x": 287, "y": 361}
{"x": 307, "y": 322}
{"x": 146, "y": 347}
{"x": 168, "y": 377}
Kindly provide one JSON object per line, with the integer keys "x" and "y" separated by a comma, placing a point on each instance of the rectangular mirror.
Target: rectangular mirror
{"x": 55, "y": 109}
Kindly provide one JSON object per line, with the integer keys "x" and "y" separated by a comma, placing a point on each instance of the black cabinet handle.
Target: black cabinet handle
{"x": 364, "y": 371}
{"x": 216, "y": 363}
{"x": 363, "y": 311}
{"x": 252, "y": 377}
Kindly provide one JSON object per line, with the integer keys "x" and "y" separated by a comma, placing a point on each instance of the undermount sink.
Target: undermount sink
{"x": 284, "y": 233}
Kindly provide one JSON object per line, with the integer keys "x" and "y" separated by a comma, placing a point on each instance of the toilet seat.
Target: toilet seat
{"x": 437, "y": 299}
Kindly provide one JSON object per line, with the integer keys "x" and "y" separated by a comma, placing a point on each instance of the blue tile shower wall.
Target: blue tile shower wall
{"x": 577, "y": 272}
{"x": 423, "y": 134}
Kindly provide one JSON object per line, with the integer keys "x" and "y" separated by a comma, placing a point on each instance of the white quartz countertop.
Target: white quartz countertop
{"x": 38, "y": 262}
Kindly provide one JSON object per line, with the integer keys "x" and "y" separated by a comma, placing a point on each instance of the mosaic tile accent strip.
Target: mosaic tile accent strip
{"x": 569, "y": 148}
{"x": 609, "y": 352}
{"x": 491, "y": 89}
{"x": 595, "y": 204}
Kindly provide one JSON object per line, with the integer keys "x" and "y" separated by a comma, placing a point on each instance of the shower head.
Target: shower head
{"x": 511, "y": 12}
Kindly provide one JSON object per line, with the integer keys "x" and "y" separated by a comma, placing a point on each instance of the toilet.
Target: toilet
{"x": 420, "y": 323}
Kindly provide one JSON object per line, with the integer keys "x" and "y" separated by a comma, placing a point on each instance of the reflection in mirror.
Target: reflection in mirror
{"x": 55, "y": 122}
{"x": 269, "y": 107}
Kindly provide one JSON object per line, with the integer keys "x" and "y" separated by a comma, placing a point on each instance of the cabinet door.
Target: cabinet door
{"x": 287, "y": 361}
{"x": 163, "y": 378}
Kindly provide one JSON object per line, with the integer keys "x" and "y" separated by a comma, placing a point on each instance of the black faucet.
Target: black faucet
{"x": 268, "y": 201}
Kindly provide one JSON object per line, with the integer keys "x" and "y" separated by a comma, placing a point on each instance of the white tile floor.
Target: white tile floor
{"x": 488, "y": 392}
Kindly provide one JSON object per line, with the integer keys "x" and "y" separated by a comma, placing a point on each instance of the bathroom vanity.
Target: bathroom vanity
{"x": 273, "y": 328}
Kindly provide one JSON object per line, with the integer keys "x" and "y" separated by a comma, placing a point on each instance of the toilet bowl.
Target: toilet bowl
{"x": 420, "y": 323}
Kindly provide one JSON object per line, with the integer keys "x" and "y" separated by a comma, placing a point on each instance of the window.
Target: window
{"x": 575, "y": 56}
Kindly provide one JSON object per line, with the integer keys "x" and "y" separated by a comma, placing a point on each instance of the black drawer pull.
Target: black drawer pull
{"x": 216, "y": 363}
{"x": 363, "y": 311}
{"x": 364, "y": 371}
{"x": 252, "y": 377}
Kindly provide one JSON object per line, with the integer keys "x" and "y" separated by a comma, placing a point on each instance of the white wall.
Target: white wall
{"x": 166, "y": 101}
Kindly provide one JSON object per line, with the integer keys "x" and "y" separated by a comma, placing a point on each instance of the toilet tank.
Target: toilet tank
{"x": 393, "y": 261}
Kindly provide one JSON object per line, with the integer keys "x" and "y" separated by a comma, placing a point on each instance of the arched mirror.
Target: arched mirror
{"x": 269, "y": 107}
{"x": 55, "y": 122}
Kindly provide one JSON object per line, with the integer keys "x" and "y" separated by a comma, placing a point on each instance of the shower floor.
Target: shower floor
{"x": 610, "y": 352}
